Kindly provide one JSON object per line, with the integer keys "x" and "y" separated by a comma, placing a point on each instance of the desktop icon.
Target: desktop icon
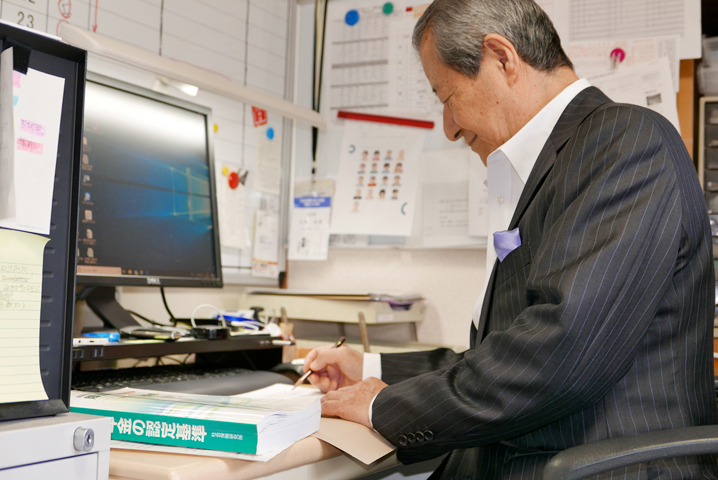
{"x": 88, "y": 197}
{"x": 86, "y": 178}
{"x": 88, "y": 215}
{"x": 90, "y": 252}
{"x": 88, "y": 234}
{"x": 85, "y": 159}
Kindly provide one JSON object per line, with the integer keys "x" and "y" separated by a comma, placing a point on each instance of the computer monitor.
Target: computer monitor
{"x": 148, "y": 210}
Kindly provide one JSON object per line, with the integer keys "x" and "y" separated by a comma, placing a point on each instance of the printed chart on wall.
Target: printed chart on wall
{"x": 377, "y": 180}
{"x": 372, "y": 67}
{"x": 597, "y": 20}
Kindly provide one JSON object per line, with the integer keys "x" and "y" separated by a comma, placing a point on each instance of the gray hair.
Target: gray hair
{"x": 459, "y": 28}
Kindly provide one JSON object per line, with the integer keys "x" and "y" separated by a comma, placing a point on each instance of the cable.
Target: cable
{"x": 317, "y": 83}
{"x": 207, "y": 305}
{"x": 148, "y": 320}
{"x": 167, "y": 307}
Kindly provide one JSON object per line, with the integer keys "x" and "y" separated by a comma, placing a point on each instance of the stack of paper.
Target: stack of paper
{"x": 242, "y": 423}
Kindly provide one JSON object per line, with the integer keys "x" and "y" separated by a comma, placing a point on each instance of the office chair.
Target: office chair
{"x": 593, "y": 458}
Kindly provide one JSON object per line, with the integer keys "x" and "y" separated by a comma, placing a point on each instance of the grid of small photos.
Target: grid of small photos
{"x": 379, "y": 176}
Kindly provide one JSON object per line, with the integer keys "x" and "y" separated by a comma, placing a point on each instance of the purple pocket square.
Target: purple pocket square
{"x": 506, "y": 242}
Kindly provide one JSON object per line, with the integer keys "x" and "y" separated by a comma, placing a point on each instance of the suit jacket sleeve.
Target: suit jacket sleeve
{"x": 612, "y": 239}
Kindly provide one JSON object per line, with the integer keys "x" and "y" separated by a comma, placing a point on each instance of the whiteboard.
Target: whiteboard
{"x": 243, "y": 40}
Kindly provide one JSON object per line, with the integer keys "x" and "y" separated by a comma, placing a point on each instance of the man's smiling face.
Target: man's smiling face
{"x": 473, "y": 107}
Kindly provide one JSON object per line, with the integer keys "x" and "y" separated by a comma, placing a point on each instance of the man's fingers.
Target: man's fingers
{"x": 324, "y": 356}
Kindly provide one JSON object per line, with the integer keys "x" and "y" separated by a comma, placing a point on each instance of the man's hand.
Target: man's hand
{"x": 334, "y": 368}
{"x": 352, "y": 403}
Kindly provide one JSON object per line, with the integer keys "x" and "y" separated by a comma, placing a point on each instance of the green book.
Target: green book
{"x": 250, "y": 423}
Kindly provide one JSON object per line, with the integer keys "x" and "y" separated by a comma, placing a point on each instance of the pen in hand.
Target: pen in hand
{"x": 309, "y": 372}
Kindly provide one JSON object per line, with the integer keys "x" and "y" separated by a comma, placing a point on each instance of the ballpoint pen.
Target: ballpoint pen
{"x": 309, "y": 372}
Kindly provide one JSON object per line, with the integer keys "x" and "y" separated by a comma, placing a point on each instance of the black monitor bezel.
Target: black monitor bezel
{"x": 92, "y": 280}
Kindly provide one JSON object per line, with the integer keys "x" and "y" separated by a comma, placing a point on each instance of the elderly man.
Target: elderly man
{"x": 598, "y": 312}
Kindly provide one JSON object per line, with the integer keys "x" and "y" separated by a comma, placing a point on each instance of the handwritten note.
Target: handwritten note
{"x": 25, "y": 145}
{"x": 32, "y": 127}
{"x": 20, "y": 299}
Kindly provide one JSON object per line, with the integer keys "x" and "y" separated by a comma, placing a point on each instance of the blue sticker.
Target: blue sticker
{"x": 352, "y": 17}
{"x": 270, "y": 133}
{"x": 15, "y": 99}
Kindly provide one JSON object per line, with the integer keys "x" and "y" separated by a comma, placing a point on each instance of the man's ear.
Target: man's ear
{"x": 502, "y": 50}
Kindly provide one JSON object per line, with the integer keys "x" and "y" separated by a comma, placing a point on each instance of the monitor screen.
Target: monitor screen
{"x": 148, "y": 211}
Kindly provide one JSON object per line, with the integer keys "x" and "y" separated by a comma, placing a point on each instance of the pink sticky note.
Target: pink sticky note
{"x": 29, "y": 146}
{"x": 32, "y": 127}
{"x": 16, "y": 79}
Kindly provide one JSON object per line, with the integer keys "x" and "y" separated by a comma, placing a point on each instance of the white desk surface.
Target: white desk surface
{"x": 308, "y": 459}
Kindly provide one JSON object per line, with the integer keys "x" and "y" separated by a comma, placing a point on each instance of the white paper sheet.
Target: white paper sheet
{"x": 268, "y": 176}
{"x": 7, "y": 157}
{"x": 309, "y": 228}
{"x": 409, "y": 88}
{"x": 597, "y": 20}
{"x": 20, "y": 294}
{"x": 357, "y": 57}
{"x": 446, "y": 210}
{"x": 594, "y": 58}
{"x": 378, "y": 178}
{"x": 231, "y": 206}
{"x": 265, "y": 255}
{"x": 446, "y": 201}
{"x": 37, "y": 99}
{"x": 647, "y": 84}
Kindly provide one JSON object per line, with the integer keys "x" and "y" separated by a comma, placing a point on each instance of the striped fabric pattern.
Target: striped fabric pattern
{"x": 599, "y": 325}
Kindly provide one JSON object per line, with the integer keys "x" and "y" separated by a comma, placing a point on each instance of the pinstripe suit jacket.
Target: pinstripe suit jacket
{"x": 599, "y": 325}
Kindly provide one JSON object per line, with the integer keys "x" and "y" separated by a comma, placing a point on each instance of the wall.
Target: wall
{"x": 449, "y": 280}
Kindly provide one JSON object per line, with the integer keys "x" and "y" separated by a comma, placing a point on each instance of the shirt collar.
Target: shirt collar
{"x": 524, "y": 147}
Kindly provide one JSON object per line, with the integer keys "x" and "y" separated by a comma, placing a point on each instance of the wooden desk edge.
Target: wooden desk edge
{"x": 140, "y": 465}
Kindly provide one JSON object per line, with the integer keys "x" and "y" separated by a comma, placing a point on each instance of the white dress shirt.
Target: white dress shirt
{"x": 508, "y": 168}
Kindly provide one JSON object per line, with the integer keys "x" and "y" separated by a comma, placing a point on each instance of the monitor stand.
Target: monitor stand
{"x": 101, "y": 300}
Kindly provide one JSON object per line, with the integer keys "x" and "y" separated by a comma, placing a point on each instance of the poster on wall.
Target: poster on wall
{"x": 377, "y": 180}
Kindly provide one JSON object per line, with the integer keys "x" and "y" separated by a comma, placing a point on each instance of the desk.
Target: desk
{"x": 308, "y": 459}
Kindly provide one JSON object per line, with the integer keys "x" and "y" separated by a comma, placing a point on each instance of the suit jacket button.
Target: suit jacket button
{"x": 419, "y": 436}
{"x": 411, "y": 437}
{"x": 402, "y": 441}
{"x": 428, "y": 435}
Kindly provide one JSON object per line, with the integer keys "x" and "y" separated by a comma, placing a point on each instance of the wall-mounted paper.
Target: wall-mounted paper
{"x": 231, "y": 206}
{"x": 378, "y": 177}
{"x": 309, "y": 228}
{"x": 268, "y": 178}
{"x": 594, "y": 58}
{"x": 589, "y": 20}
{"x": 37, "y": 101}
{"x": 647, "y": 84}
{"x": 20, "y": 299}
{"x": 265, "y": 256}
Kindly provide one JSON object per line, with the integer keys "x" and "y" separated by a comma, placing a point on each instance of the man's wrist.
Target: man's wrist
{"x": 371, "y": 366}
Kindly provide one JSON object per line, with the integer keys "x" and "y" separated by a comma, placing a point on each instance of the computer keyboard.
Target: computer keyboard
{"x": 190, "y": 378}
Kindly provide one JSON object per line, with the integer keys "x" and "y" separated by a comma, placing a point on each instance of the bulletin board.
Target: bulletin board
{"x": 243, "y": 40}
{"x": 371, "y": 67}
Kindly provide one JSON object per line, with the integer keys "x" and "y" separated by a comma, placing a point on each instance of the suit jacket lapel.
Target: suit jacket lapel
{"x": 577, "y": 110}
{"x": 575, "y": 113}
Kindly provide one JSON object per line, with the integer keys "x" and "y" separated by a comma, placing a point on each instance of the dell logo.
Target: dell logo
{"x": 153, "y": 280}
